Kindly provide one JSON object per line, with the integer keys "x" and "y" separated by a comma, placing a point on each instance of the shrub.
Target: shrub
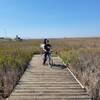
{"x": 14, "y": 59}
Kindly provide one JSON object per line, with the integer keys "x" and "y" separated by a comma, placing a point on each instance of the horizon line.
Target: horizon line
{"x": 54, "y": 37}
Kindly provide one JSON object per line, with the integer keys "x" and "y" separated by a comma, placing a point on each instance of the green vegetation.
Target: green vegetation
{"x": 14, "y": 59}
{"x": 85, "y": 64}
{"x": 15, "y": 54}
{"x": 69, "y": 56}
{"x": 83, "y": 56}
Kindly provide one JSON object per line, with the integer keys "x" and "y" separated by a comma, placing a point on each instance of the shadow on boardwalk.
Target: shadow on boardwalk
{"x": 61, "y": 66}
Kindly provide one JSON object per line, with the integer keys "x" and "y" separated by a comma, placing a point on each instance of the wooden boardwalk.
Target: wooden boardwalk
{"x": 44, "y": 83}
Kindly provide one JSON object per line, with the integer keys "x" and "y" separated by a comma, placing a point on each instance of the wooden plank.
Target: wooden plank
{"x": 44, "y": 83}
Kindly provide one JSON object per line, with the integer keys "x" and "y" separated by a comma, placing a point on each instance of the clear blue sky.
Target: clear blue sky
{"x": 49, "y": 18}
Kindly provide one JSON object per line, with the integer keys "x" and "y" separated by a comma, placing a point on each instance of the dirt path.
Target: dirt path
{"x": 44, "y": 83}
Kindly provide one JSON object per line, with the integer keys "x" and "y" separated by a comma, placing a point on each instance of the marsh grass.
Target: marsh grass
{"x": 83, "y": 55}
{"x": 14, "y": 59}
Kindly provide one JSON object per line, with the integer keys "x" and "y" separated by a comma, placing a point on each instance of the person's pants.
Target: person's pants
{"x": 45, "y": 57}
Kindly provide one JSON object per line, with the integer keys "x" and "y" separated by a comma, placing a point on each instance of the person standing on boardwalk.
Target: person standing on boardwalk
{"x": 46, "y": 50}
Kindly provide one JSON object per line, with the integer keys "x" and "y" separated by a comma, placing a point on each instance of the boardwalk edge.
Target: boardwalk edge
{"x": 72, "y": 74}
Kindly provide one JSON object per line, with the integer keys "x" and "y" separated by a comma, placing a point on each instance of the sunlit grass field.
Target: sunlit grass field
{"x": 15, "y": 53}
{"x": 14, "y": 59}
{"x": 83, "y": 57}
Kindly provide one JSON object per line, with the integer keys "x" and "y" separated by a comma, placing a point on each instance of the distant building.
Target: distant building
{"x": 18, "y": 38}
